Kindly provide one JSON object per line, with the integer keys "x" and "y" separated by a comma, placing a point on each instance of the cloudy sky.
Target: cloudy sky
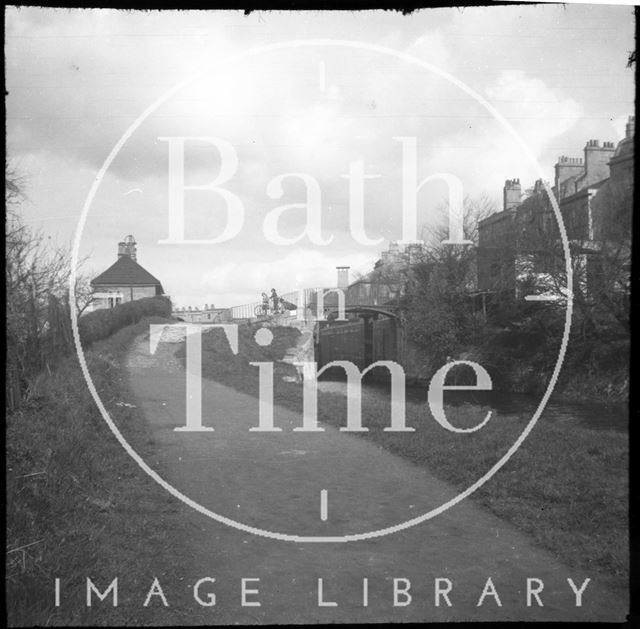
{"x": 78, "y": 79}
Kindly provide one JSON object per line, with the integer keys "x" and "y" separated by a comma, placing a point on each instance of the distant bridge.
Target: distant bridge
{"x": 317, "y": 303}
{"x": 372, "y": 329}
{"x": 359, "y": 330}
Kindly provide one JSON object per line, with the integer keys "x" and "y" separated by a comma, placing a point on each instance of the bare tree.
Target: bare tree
{"x": 36, "y": 277}
{"x": 439, "y": 285}
{"x": 83, "y": 291}
{"x": 599, "y": 257}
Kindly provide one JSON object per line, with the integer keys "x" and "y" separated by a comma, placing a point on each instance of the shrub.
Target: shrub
{"x": 100, "y": 324}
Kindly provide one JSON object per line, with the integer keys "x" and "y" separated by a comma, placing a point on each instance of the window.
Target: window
{"x": 114, "y": 298}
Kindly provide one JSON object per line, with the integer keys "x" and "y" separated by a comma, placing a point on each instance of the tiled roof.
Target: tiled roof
{"x": 126, "y": 272}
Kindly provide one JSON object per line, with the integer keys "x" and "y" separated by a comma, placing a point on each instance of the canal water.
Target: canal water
{"x": 594, "y": 416}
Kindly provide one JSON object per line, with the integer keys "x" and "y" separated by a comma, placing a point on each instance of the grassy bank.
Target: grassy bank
{"x": 77, "y": 505}
{"x": 566, "y": 486}
{"x": 594, "y": 369}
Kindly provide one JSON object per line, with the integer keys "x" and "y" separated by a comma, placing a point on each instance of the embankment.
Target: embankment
{"x": 77, "y": 505}
{"x": 595, "y": 370}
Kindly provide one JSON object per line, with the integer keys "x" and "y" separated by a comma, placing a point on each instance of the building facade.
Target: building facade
{"x": 125, "y": 280}
{"x": 208, "y": 314}
{"x": 594, "y": 195}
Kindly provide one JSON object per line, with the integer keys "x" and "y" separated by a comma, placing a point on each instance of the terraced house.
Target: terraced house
{"x": 521, "y": 244}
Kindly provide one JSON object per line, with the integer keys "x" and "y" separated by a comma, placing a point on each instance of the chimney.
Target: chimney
{"x": 512, "y": 192}
{"x": 596, "y": 162}
{"x": 631, "y": 127}
{"x": 343, "y": 276}
{"x": 538, "y": 187}
{"x": 567, "y": 167}
{"x": 127, "y": 248}
{"x": 130, "y": 243}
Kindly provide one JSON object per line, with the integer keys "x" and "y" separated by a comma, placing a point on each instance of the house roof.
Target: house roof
{"x": 126, "y": 272}
{"x": 623, "y": 150}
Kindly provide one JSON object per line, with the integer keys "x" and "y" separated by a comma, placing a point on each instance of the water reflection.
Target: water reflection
{"x": 594, "y": 416}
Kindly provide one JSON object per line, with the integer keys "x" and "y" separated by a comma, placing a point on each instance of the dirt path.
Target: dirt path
{"x": 274, "y": 481}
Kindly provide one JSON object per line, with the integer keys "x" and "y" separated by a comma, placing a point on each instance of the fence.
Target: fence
{"x": 305, "y": 299}
{"x": 245, "y": 311}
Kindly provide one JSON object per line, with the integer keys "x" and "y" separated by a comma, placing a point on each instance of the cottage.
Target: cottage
{"x": 125, "y": 280}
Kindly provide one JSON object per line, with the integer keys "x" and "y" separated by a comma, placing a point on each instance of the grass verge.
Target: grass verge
{"x": 566, "y": 486}
{"x": 78, "y": 506}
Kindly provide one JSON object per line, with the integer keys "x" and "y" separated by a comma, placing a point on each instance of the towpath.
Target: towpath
{"x": 274, "y": 481}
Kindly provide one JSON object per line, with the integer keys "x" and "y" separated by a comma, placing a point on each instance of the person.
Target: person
{"x": 274, "y": 300}
{"x": 265, "y": 303}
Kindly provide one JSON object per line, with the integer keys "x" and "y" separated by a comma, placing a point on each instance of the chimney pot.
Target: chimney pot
{"x": 511, "y": 194}
{"x": 343, "y": 276}
{"x": 127, "y": 247}
{"x": 631, "y": 127}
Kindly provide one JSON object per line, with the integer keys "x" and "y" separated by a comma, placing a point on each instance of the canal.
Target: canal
{"x": 586, "y": 415}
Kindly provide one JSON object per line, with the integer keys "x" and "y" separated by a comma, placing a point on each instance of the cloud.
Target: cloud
{"x": 433, "y": 48}
{"x": 538, "y": 112}
{"x": 483, "y": 154}
{"x": 77, "y": 80}
{"x": 300, "y": 268}
{"x": 215, "y": 279}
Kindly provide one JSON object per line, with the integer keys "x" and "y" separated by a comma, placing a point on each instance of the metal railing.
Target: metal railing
{"x": 245, "y": 311}
{"x": 308, "y": 300}
{"x": 305, "y": 298}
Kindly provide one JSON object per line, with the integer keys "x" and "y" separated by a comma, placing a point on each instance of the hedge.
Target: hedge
{"x": 100, "y": 324}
